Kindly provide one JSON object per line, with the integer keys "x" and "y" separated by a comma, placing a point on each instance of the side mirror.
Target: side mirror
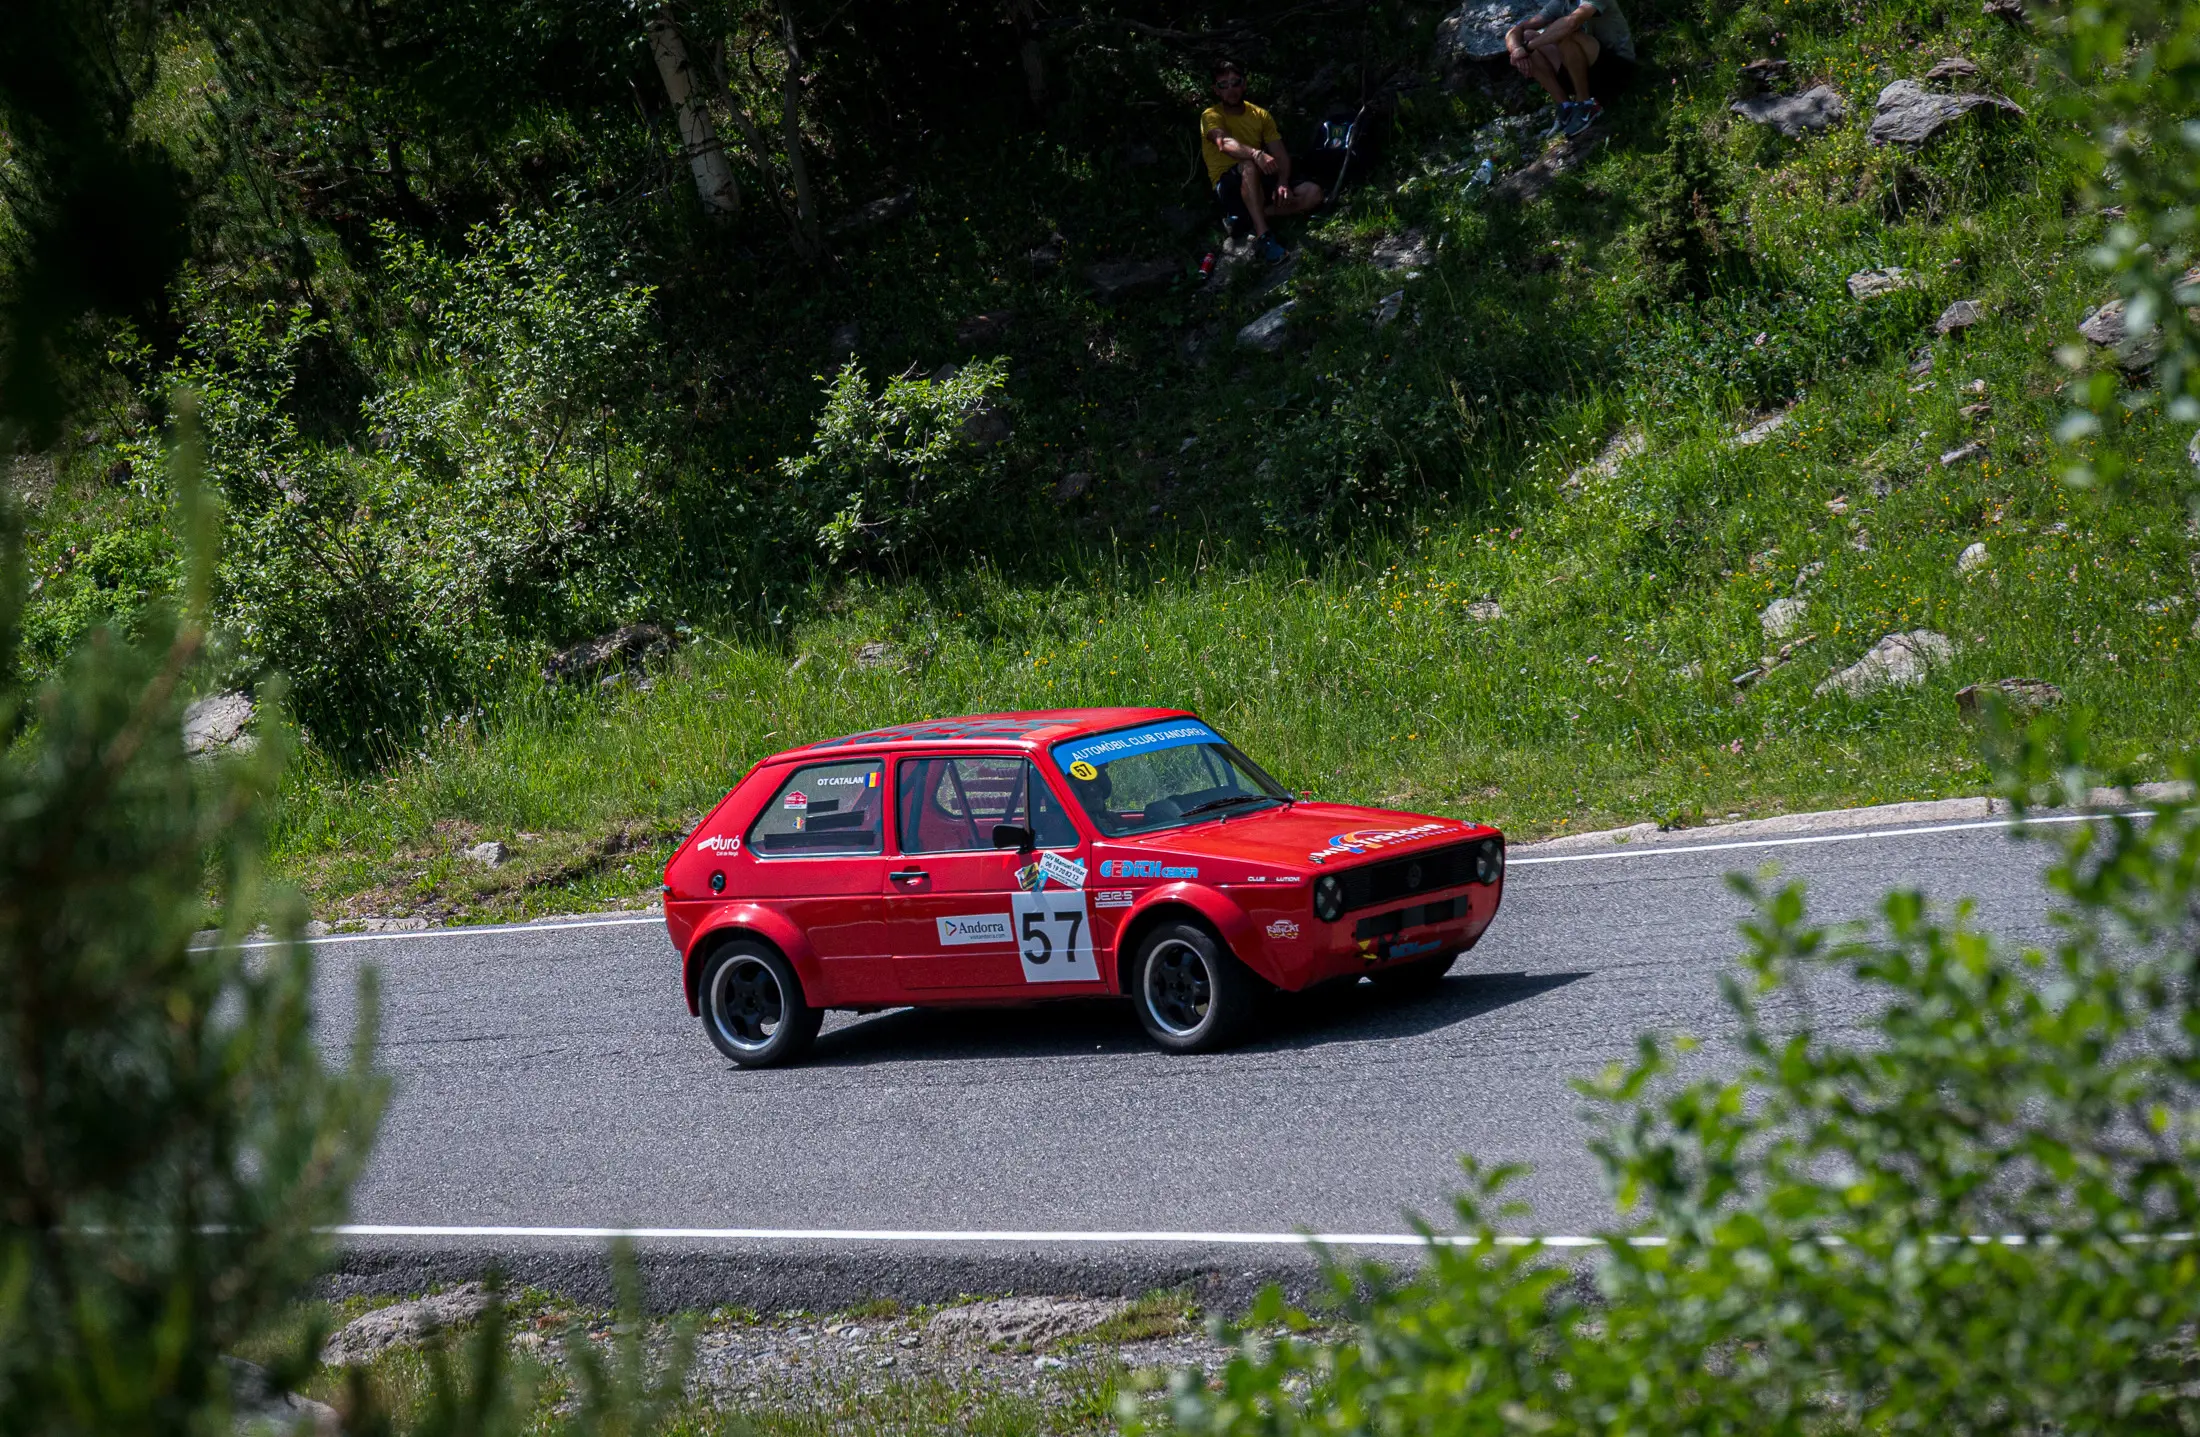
{"x": 1014, "y": 835}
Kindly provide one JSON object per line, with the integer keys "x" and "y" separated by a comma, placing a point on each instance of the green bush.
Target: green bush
{"x": 896, "y": 471}
{"x": 1976, "y": 1213}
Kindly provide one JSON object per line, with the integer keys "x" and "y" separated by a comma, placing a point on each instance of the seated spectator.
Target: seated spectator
{"x": 1248, "y": 164}
{"x": 1584, "y": 43}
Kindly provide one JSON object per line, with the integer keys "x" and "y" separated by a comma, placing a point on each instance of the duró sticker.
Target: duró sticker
{"x": 718, "y": 844}
{"x": 975, "y": 928}
{"x": 1053, "y": 937}
{"x": 1083, "y": 771}
{"x": 1066, "y": 871}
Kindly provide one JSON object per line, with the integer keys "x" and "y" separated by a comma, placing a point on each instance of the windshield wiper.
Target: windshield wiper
{"x": 1230, "y": 802}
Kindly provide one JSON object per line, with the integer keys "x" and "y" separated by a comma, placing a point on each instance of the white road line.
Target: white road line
{"x": 919, "y": 1235}
{"x": 1663, "y": 849}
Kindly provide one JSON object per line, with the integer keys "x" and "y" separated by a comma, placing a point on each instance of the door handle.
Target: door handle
{"x": 903, "y": 875}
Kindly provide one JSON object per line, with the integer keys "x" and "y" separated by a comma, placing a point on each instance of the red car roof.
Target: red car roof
{"x": 1028, "y": 728}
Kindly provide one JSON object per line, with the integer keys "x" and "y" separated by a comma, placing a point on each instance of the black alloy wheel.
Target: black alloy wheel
{"x": 753, "y": 1008}
{"x": 1192, "y": 995}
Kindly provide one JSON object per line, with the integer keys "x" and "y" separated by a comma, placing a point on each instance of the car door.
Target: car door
{"x": 963, "y": 915}
{"x": 821, "y": 845}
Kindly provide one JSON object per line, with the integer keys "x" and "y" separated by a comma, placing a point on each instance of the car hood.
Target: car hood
{"x": 1307, "y": 837}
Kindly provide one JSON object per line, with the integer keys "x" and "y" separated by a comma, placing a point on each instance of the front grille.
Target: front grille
{"x": 1397, "y": 878}
{"x": 1382, "y": 925}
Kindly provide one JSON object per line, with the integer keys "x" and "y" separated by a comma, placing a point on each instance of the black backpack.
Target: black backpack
{"x": 1346, "y": 145}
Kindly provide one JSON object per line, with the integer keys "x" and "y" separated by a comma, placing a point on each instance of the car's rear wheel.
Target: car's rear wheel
{"x": 1413, "y": 978}
{"x": 1192, "y": 995}
{"x": 753, "y": 1007}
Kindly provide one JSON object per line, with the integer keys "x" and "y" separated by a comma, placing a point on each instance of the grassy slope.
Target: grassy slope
{"x": 1603, "y": 695}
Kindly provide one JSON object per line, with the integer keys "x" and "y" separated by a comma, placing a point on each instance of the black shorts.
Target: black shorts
{"x": 1610, "y": 75}
{"x": 1230, "y": 189}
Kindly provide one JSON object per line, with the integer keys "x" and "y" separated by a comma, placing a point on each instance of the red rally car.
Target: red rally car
{"x": 1056, "y": 854}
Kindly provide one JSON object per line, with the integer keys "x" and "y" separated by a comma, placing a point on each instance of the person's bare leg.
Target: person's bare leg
{"x": 1250, "y": 183}
{"x": 1305, "y": 196}
{"x": 1578, "y": 52}
{"x": 1544, "y": 73}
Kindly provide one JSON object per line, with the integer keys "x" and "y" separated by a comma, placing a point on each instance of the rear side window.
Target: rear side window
{"x": 823, "y": 809}
{"x": 951, "y": 804}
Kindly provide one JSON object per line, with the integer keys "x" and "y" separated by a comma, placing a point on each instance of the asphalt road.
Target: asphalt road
{"x": 552, "y": 1078}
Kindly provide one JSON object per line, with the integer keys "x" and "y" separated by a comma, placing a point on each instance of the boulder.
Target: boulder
{"x": 1871, "y": 283}
{"x": 1046, "y": 255}
{"x": 1958, "y": 316}
{"x": 1617, "y": 450}
{"x": 1408, "y": 251}
{"x": 842, "y": 342}
{"x": 404, "y": 1324}
{"x": 1125, "y": 278}
{"x": 1267, "y": 333}
{"x": 878, "y": 655}
{"x": 217, "y": 722}
{"x": 1476, "y": 31}
{"x": 986, "y": 426}
{"x": 2010, "y": 10}
{"x": 620, "y": 648}
{"x": 1896, "y": 661}
{"x": 874, "y": 214}
{"x": 1782, "y": 617}
{"x": 1963, "y": 454}
{"x": 1022, "y": 1321}
{"x": 988, "y": 328}
{"x": 1758, "y": 432}
{"x": 1973, "y": 558}
{"x": 2104, "y": 326}
{"x": 2023, "y": 697}
{"x": 1485, "y": 611}
{"x": 1818, "y": 108}
{"x": 1909, "y": 114}
{"x": 489, "y": 855}
{"x": 1955, "y": 67}
{"x": 1071, "y": 485}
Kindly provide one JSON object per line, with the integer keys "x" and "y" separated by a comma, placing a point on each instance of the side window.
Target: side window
{"x": 823, "y": 809}
{"x": 950, "y": 805}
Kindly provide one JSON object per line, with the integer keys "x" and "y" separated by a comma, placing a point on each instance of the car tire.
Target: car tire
{"x": 1191, "y": 992}
{"x": 1414, "y": 978}
{"x": 753, "y": 1007}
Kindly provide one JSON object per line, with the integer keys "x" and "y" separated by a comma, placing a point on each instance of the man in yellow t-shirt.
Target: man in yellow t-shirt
{"x": 1248, "y": 164}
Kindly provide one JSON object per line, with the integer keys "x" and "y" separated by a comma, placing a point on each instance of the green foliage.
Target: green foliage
{"x": 1684, "y": 239}
{"x": 172, "y": 1140}
{"x": 1974, "y": 1215}
{"x": 627, "y": 1391}
{"x": 897, "y": 470}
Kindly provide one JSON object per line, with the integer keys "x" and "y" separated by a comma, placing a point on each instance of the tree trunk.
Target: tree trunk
{"x": 1026, "y": 20}
{"x": 706, "y": 157}
{"x": 807, "y": 239}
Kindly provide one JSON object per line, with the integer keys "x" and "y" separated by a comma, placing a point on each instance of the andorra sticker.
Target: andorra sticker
{"x": 796, "y": 800}
{"x": 966, "y": 928}
{"x": 1063, "y": 870}
{"x": 1083, "y": 771}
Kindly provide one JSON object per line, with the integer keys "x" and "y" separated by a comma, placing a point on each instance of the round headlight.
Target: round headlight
{"x": 1329, "y": 898}
{"x": 1489, "y": 861}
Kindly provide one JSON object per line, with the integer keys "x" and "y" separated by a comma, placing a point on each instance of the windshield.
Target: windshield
{"x": 1163, "y": 775}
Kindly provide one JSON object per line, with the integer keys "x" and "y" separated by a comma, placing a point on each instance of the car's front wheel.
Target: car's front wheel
{"x": 753, "y": 1007}
{"x": 1192, "y": 995}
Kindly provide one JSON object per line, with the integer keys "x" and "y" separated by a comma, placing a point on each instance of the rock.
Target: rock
{"x": 1972, "y": 559}
{"x": 1022, "y": 1321}
{"x": 257, "y": 1406}
{"x": 874, "y": 214}
{"x": 1896, "y": 661}
{"x": 1955, "y": 67}
{"x": 1386, "y": 309}
{"x": 1758, "y": 432}
{"x": 1763, "y": 76}
{"x": 620, "y": 648}
{"x": 843, "y": 341}
{"x": 1046, "y": 256}
{"x": 1982, "y": 410}
{"x": 1485, "y": 611}
{"x": 2010, "y": 10}
{"x": 1617, "y": 450}
{"x": 1782, "y": 617}
{"x": 1071, "y": 485}
{"x": 1963, "y": 454}
{"x": 1961, "y": 315}
{"x": 1922, "y": 366}
{"x": 1267, "y": 333}
{"x": 2192, "y": 450}
{"x": 2023, "y": 697}
{"x": 1808, "y": 574}
{"x": 1530, "y": 181}
{"x": 2104, "y": 326}
{"x": 1817, "y": 108}
{"x": 1909, "y": 114}
{"x": 983, "y": 328}
{"x": 1476, "y": 30}
{"x": 404, "y": 1324}
{"x": 877, "y": 655}
{"x": 1408, "y": 251}
{"x": 985, "y": 426}
{"x": 1871, "y": 283}
{"x": 216, "y": 722}
{"x": 1125, "y": 278}
{"x": 489, "y": 855}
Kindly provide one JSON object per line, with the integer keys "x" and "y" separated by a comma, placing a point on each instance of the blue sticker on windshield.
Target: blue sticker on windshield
{"x": 1108, "y": 747}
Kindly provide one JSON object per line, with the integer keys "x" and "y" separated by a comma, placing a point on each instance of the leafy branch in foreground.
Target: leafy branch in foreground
{"x": 1971, "y": 1212}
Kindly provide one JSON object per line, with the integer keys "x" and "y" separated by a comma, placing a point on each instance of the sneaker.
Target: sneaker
{"x": 1585, "y": 113}
{"x": 1558, "y": 124}
{"x": 1271, "y": 251}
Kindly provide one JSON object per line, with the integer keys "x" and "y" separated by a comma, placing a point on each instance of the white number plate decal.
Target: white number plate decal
{"x": 1054, "y": 936}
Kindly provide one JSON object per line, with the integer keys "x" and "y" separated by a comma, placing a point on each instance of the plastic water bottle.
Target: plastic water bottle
{"x": 1478, "y": 181}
